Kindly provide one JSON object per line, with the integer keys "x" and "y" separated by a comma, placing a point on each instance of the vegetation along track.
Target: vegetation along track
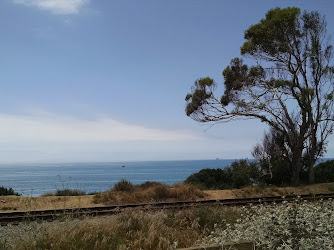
{"x": 49, "y": 215}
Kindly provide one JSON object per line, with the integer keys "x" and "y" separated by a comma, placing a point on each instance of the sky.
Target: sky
{"x": 105, "y": 80}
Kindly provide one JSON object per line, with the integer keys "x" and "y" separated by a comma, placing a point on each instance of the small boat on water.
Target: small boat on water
{"x": 123, "y": 166}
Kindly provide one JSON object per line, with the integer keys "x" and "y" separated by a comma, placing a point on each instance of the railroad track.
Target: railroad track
{"x": 49, "y": 215}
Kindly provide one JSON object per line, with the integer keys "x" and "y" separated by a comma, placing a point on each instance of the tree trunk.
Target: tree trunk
{"x": 311, "y": 172}
{"x": 296, "y": 166}
{"x": 312, "y": 155}
{"x": 295, "y": 175}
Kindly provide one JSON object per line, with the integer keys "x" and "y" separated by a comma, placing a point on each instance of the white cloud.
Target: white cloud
{"x": 46, "y": 137}
{"x": 63, "y": 7}
{"x": 62, "y": 129}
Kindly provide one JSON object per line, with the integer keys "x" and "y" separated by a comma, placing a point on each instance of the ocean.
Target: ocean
{"x": 38, "y": 179}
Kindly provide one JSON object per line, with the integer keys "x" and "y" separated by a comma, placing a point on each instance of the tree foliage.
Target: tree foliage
{"x": 290, "y": 87}
{"x": 324, "y": 172}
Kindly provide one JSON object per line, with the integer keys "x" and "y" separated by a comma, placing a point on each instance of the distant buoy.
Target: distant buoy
{"x": 123, "y": 166}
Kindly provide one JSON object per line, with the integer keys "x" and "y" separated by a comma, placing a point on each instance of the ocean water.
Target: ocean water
{"x": 37, "y": 179}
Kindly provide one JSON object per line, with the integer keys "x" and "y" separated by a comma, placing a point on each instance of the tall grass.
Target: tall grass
{"x": 125, "y": 192}
{"x": 130, "y": 230}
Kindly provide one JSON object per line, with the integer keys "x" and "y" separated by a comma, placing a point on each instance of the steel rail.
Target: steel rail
{"x": 48, "y": 215}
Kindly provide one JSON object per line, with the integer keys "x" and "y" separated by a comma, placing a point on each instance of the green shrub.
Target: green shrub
{"x": 324, "y": 172}
{"x": 8, "y": 191}
{"x": 209, "y": 179}
{"x": 240, "y": 174}
{"x": 69, "y": 192}
{"x": 124, "y": 186}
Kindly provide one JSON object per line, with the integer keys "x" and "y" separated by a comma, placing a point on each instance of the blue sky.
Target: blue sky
{"x": 103, "y": 80}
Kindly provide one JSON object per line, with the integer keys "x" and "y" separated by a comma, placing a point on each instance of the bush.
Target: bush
{"x": 69, "y": 192}
{"x": 243, "y": 173}
{"x": 240, "y": 174}
{"x": 47, "y": 194}
{"x": 161, "y": 192}
{"x": 209, "y": 179}
{"x": 148, "y": 184}
{"x": 124, "y": 186}
{"x": 324, "y": 172}
{"x": 7, "y": 191}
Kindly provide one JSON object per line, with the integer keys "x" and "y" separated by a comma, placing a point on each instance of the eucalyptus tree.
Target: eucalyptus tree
{"x": 289, "y": 86}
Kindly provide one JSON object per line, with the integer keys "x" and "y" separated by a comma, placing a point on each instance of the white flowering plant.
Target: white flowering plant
{"x": 296, "y": 225}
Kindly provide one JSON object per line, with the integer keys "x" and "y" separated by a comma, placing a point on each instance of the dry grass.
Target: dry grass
{"x": 17, "y": 203}
{"x": 147, "y": 192}
{"x": 259, "y": 191}
{"x": 129, "y": 230}
{"x": 150, "y": 192}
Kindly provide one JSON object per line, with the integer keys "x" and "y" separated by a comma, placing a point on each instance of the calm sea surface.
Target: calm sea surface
{"x": 37, "y": 179}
